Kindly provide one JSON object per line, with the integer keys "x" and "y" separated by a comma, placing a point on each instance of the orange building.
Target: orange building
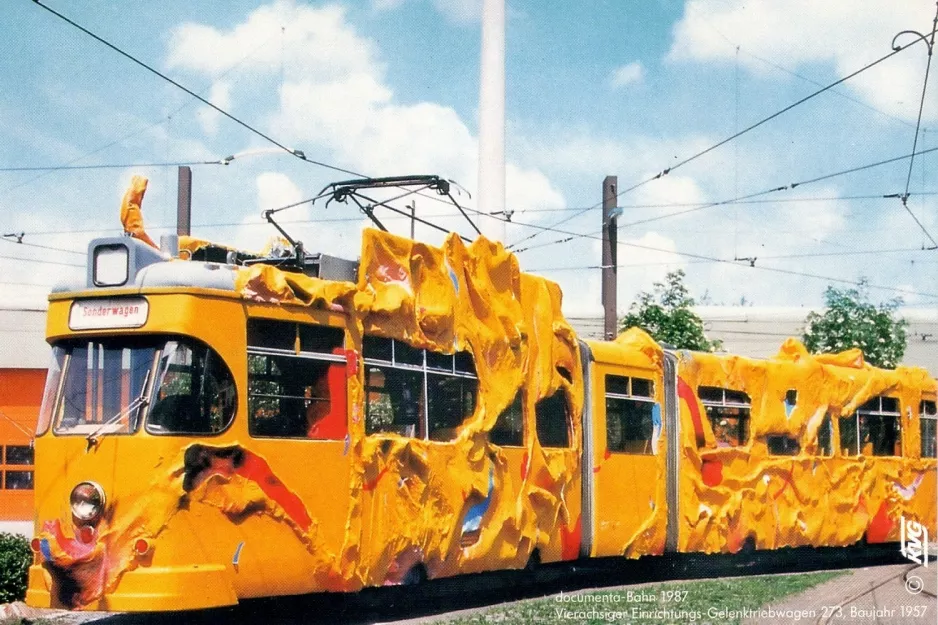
{"x": 24, "y": 357}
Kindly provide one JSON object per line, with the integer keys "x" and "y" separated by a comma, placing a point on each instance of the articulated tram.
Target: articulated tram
{"x": 219, "y": 426}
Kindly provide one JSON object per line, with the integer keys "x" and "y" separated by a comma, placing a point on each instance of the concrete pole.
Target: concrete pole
{"x": 610, "y": 258}
{"x": 491, "y": 189}
{"x": 184, "y": 202}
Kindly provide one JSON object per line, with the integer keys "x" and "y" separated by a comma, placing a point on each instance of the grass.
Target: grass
{"x": 697, "y": 601}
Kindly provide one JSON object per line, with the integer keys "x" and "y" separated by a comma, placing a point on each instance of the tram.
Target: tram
{"x": 218, "y": 425}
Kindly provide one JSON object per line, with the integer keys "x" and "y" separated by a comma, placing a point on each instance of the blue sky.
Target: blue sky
{"x": 390, "y": 87}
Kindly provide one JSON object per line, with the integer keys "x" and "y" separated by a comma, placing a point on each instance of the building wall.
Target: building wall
{"x": 24, "y": 356}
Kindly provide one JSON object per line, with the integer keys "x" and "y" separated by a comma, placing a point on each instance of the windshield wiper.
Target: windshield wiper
{"x": 139, "y": 401}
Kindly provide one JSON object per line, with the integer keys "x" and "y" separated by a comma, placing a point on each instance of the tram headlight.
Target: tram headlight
{"x": 87, "y": 503}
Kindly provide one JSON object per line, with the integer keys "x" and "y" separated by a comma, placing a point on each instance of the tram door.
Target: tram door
{"x": 627, "y": 447}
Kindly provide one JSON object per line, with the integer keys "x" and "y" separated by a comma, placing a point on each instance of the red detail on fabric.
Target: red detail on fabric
{"x": 880, "y": 525}
{"x": 570, "y": 540}
{"x": 374, "y": 483}
{"x": 712, "y": 471}
{"x": 607, "y": 455}
{"x": 525, "y": 465}
{"x": 73, "y": 548}
{"x": 351, "y": 363}
{"x": 85, "y": 534}
{"x": 787, "y": 479}
{"x": 596, "y": 469}
{"x": 257, "y": 470}
{"x": 334, "y": 424}
{"x": 685, "y": 392}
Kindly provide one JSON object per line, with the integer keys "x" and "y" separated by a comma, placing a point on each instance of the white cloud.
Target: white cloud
{"x": 460, "y": 11}
{"x": 220, "y": 96}
{"x": 627, "y": 75}
{"x": 797, "y": 32}
{"x": 348, "y": 111}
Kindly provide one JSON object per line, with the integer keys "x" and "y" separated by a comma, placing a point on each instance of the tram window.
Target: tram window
{"x": 780, "y": 445}
{"x": 728, "y": 413}
{"x": 291, "y": 397}
{"x": 508, "y": 430}
{"x": 194, "y": 392}
{"x": 928, "y": 419}
{"x": 791, "y": 397}
{"x": 450, "y": 400}
{"x": 629, "y": 410}
{"x": 19, "y": 454}
{"x": 849, "y": 443}
{"x": 404, "y": 354}
{"x": 377, "y": 348}
{"x": 272, "y": 334}
{"x": 320, "y": 339}
{"x": 51, "y": 389}
{"x": 18, "y": 480}
{"x": 824, "y": 435}
{"x": 552, "y": 417}
{"x": 394, "y": 401}
{"x": 463, "y": 363}
{"x": 878, "y": 422}
{"x": 103, "y": 386}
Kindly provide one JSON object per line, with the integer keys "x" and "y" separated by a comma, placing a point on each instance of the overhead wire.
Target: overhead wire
{"x": 918, "y": 124}
{"x": 111, "y": 166}
{"x": 297, "y": 153}
{"x": 740, "y": 133}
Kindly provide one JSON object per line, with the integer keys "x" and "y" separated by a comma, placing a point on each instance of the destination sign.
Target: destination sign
{"x": 96, "y": 314}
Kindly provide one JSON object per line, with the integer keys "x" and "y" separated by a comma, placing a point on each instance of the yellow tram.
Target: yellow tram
{"x": 217, "y": 427}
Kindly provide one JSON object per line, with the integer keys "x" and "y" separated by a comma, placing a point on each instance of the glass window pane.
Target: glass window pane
{"x": 890, "y": 404}
{"x": 509, "y": 427}
{"x": 617, "y": 384}
{"x": 450, "y": 400}
{"x": 18, "y": 480}
{"x": 849, "y": 444}
{"x": 465, "y": 363}
{"x": 290, "y": 397}
{"x": 928, "y": 432}
{"x": 271, "y": 334}
{"x": 376, "y": 348}
{"x": 20, "y": 454}
{"x": 879, "y": 435}
{"x": 779, "y": 445}
{"x": 737, "y": 397}
{"x": 441, "y": 362}
{"x": 642, "y": 388}
{"x": 321, "y": 339}
{"x": 730, "y": 425}
{"x": 53, "y": 378}
{"x": 629, "y": 425}
{"x": 553, "y": 421}
{"x": 824, "y": 445}
{"x": 394, "y": 401}
{"x": 194, "y": 393}
{"x": 407, "y": 355}
{"x": 710, "y": 393}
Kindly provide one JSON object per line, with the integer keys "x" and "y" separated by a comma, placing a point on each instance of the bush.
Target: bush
{"x": 15, "y": 558}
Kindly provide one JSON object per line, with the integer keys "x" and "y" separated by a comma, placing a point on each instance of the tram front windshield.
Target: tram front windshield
{"x": 108, "y": 386}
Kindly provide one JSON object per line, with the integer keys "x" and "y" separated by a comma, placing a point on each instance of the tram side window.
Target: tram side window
{"x": 291, "y": 397}
{"x": 629, "y": 414}
{"x": 728, "y": 413}
{"x": 879, "y": 427}
{"x": 552, "y": 420}
{"x": 928, "y": 419}
{"x": 781, "y": 445}
{"x": 394, "y": 401}
{"x": 824, "y": 437}
{"x": 508, "y": 430}
{"x": 450, "y": 400}
{"x": 414, "y": 392}
{"x": 195, "y": 391}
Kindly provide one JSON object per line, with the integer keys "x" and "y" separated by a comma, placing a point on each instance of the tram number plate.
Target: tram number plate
{"x": 124, "y": 312}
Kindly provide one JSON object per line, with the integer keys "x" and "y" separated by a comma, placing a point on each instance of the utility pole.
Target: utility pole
{"x": 184, "y": 202}
{"x": 413, "y": 218}
{"x": 610, "y": 256}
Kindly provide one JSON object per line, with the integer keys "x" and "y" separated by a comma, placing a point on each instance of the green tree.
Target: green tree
{"x": 666, "y": 315}
{"x": 852, "y": 320}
